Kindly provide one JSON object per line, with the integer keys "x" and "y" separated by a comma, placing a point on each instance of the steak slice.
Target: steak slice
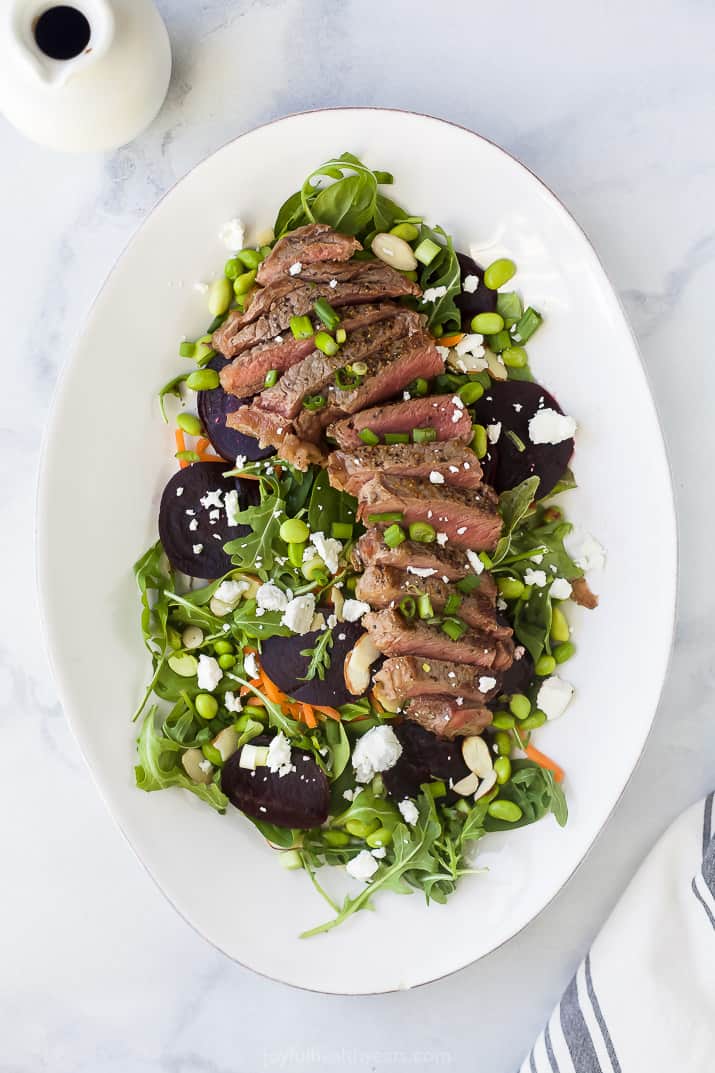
{"x": 468, "y": 517}
{"x": 247, "y": 373}
{"x": 272, "y": 430}
{"x": 312, "y": 375}
{"x": 404, "y": 677}
{"x": 582, "y": 593}
{"x": 446, "y": 414}
{"x": 449, "y": 563}
{"x": 305, "y": 245}
{"x": 446, "y": 717}
{"x": 394, "y": 636}
{"x": 458, "y": 464}
{"x": 272, "y": 307}
{"x": 385, "y": 586}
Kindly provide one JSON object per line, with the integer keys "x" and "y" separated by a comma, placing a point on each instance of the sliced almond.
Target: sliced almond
{"x": 475, "y": 753}
{"x": 219, "y": 608}
{"x": 336, "y": 595}
{"x": 497, "y": 368}
{"x": 466, "y": 786}
{"x": 486, "y": 784}
{"x": 385, "y": 700}
{"x": 192, "y": 761}
{"x": 358, "y": 662}
{"x": 394, "y": 251}
{"x": 226, "y": 742}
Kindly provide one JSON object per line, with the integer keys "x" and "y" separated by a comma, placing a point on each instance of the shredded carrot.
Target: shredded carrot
{"x": 180, "y": 446}
{"x": 257, "y": 702}
{"x": 201, "y": 444}
{"x": 450, "y": 340}
{"x": 206, "y": 457}
{"x": 545, "y": 761}
{"x": 308, "y": 716}
{"x": 325, "y": 709}
{"x": 271, "y": 689}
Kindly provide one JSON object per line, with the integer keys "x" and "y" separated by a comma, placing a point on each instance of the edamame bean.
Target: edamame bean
{"x": 258, "y": 714}
{"x": 503, "y": 721}
{"x": 498, "y": 273}
{"x": 479, "y": 440}
{"x": 545, "y": 665}
{"x": 294, "y": 531}
{"x": 360, "y": 829}
{"x": 336, "y": 838}
{"x": 380, "y": 837}
{"x": 505, "y": 810}
{"x": 471, "y": 392}
{"x": 219, "y": 296}
{"x": 206, "y": 705}
{"x": 190, "y": 423}
{"x": 243, "y": 283}
{"x": 406, "y": 231}
{"x": 564, "y": 652}
{"x": 502, "y": 740}
{"x": 534, "y": 721}
{"x": 515, "y": 357}
{"x": 226, "y": 662}
{"x": 502, "y": 766}
{"x": 511, "y": 588}
{"x": 249, "y": 258}
{"x": 232, "y": 268}
{"x": 223, "y": 648}
{"x": 202, "y": 380}
{"x": 487, "y": 323}
{"x": 559, "y": 626}
{"x": 520, "y": 706}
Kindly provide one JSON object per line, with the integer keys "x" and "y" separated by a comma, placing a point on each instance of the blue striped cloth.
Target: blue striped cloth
{"x": 643, "y": 1001}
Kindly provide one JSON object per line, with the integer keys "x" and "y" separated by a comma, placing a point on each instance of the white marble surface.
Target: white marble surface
{"x": 612, "y": 105}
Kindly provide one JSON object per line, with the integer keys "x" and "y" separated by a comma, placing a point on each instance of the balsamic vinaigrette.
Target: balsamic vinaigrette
{"x": 62, "y": 32}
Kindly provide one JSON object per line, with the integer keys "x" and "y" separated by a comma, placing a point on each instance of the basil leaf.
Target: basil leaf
{"x": 443, "y": 271}
{"x": 328, "y": 505}
{"x": 290, "y": 215}
{"x": 348, "y": 204}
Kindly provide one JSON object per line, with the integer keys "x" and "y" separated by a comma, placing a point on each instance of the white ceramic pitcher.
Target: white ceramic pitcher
{"x": 85, "y": 74}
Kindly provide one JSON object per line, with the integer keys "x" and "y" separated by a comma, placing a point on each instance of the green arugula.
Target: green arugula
{"x": 160, "y": 765}
{"x": 535, "y": 791}
{"x": 319, "y": 657}
{"x": 513, "y": 506}
{"x": 443, "y": 271}
{"x": 328, "y": 505}
{"x": 256, "y": 550}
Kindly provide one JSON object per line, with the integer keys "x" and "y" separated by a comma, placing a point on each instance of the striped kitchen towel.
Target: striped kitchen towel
{"x": 643, "y": 1001}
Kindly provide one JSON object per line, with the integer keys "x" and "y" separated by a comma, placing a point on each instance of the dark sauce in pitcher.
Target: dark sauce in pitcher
{"x": 62, "y": 32}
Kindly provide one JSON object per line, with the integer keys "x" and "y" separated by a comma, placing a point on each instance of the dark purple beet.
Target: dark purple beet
{"x": 505, "y": 465}
{"x": 214, "y": 406}
{"x": 284, "y": 665}
{"x": 483, "y": 300}
{"x": 298, "y": 799}
{"x": 424, "y": 756}
{"x": 178, "y": 539}
{"x": 517, "y": 679}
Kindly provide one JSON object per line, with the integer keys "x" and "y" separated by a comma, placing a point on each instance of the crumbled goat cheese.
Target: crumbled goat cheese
{"x": 179, "y": 491}
{"x": 486, "y": 683}
{"x": 240, "y": 461}
{"x": 333, "y": 284}
{"x": 421, "y": 571}
{"x": 363, "y": 866}
{"x": 462, "y": 530}
{"x": 200, "y": 287}
{"x": 205, "y": 766}
{"x": 433, "y": 293}
{"x": 474, "y": 561}
{"x": 298, "y": 615}
{"x": 271, "y": 598}
{"x": 494, "y": 432}
{"x": 537, "y": 558}
{"x": 212, "y": 499}
{"x": 295, "y": 268}
{"x": 279, "y": 755}
{"x": 409, "y": 811}
{"x": 209, "y": 673}
{"x": 443, "y": 352}
{"x": 406, "y": 396}
{"x": 348, "y": 795}
{"x": 250, "y": 665}
{"x": 535, "y": 577}
{"x": 471, "y": 343}
{"x": 584, "y": 549}
{"x": 233, "y": 234}
{"x": 560, "y": 589}
{"x": 193, "y": 525}
{"x": 231, "y": 701}
{"x": 501, "y": 603}
{"x": 379, "y": 853}
{"x": 232, "y": 507}
{"x": 214, "y": 516}
{"x": 354, "y": 610}
{"x": 442, "y": 539}
{"x": 230, "y": 592}
{"x": 548, "y": 426}
{"x": 518, "y": 407}
{"x": 378, "y": 750}
{"x": 554, "y": 697}
{"x": 197, "y": 548}
{"x": 436, "y": 477}
{"x": 332, "y": 621}
{"x": 470, "y": 284}
{"x": 328, "y": 549}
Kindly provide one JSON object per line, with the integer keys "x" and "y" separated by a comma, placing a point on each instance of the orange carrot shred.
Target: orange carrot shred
{"x": 325, "y": 709}
{"x": 206, "y": 457}
{"x": 202, "y": 443}
{"x": 545, "y": 761}
{"x": 180, "y": 446}
{"x": 309, "y": 716}
{"x": 450, "y": 340}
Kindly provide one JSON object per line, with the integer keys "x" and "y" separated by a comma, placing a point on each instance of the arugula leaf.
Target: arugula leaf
{"x": 337, "y": 742}
{"x": 153, "y": 573}
{"x": 513, "y": 507}
{"x": 535, "y": 791}
{"x": 256, "y": 551}
{"x": 328, "y": 505}
{"x": 160, "y": 766}
{"x": 532, "y": 623}
{"x": 565, "y": 484}
{"x": 443, "y": 271}
{"x": 319, "y": 657}
{"x": 259, "y": 627}
{"x": 172, "y": 387}
{"x": 285, "y": 837}
{"x": 367, "y": 807}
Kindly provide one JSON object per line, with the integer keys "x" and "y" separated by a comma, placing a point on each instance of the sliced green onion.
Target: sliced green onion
{"x": 313, "y": 402}
{"x": 436, "y": 789}
{"x": 368, "y": 436}
{"x": 454, "y": 602}
{"x": 516, "y": 440}
{"x": 397, "y": 437}
{"x": 341, "y": 335}
{"x": 509, "y": 305}
{"x": 424, "y": 606}
{"x": 471, "y": 392}
{"x": 341, "y": 530}
{"x": 500, "y": 341}
{"x": 359, "y": 368}
{"x": 216, "y": 323}
{"x": 203, "y": 352}
{"x": 325, "y": 312}
{"x": 394, "y": 535}
{"x": 301, "y": 327}
{"x": 527, "y": 325}
{"x": 408, "y": 606}
{"x": 418, "y": 388}
{"x": 469, "y": 583}
{"x": 427, "y": 251}
{"x": 345, "y": 378}
{"x": 326, "y": 344}
{"x": 271, "y": 378}
{"x": 422, "y": 532}
{"x": 387, "y": 516}
{"x": 424, "y": 435}
{"x": 454, "y": 628}
{"x": 187, "y": 350}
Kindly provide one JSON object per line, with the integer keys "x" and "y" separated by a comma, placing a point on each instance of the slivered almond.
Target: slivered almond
{"x": 475, "y": 753}
{"x": 497, "y": 368}
{"x": 486, "y": 785}
{"x": 226, "y": 742}
{"x": 358, "y": 662}
{"x": 466, "y": 786}
{"x": 191, "y": 761}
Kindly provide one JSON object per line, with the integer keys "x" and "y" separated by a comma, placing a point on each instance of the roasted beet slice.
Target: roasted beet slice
{"x": 517, "y": 678}
{"x": 186, "y": 524}
{"x": 298, "y": 799}
{"x": 284, "y": 665}
{"x": 214, "y": 406}
{"x": 424, "y": 756}
{"x": 512, "y": 403}
{"x": 483, "y": 300}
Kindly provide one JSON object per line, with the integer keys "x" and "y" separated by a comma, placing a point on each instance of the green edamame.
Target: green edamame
{"x": 564, "y": 652}
{"x": 206, "y": 705}
{"x": 479, "y": 440}
{"x": 243, "y": 283}
{"x": 190, "y": 424}
{"x": 360, "y": 829}
{"x": 294, "y": 531}
{"x": 219, "y": 296}
{"x": 511, "y": 588}
{"x": 534, "y": 721}
{"x": 202, "y": 380}
{"x": 223, "y": 648}
{"x": 520, "y": 706}
{"x": 502, "y": 766}
{"x": 505, "y": 810}
{"x": 498, "y": 273}
{"x": 336, "y": 838}
{"x": 226, "y": 662}
{"x": 380, "y": 837}
{"x": 559, "y": 626}
{"x": 515, "y": 357}
{"x": 503, "y": 721}
{"x": 471, "y": 392}
{"x": 502, "y": 740}
{"x": 487, "y": 323}
{"x": 249, "y": 258}
{"x": 545, "y": 665}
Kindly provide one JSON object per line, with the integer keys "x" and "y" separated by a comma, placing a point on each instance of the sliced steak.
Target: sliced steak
{"x": 447, "y": 562}
{"x": 272, "y": 307}
{"x": 272, "y": 430}
{"x": 305, "y": 245}
{"x": 458, "y": 464}
{"x": 247, "y": 373}
{"x": 446, "y": 717}
{"x": 582, "y": 593}
{"x": 394, "y": 636}
{"x": 312, "y": 375}
{"x": 405, "y": 677}
{"x": 385, "y": 586}
{"x": 468, "y": 517}
{"x": 446, "y": 414}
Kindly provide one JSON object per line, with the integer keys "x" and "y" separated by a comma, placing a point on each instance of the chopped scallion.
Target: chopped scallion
{"x": 516, "y": 440}
{"x": 408, "y": 606}
{"x": 187, "y": 349}
{"x": 313, "y": 402}
{"x": 397, "y": 437}
{"x": 527, "y": 325}
{"x": 469, "y": 584}
{"x": 454, "y": 628}
{"x": 368, "y": 436}
{"x": 454, "y": 601}
{"x": 384, "y": 518}
{"x": 424, "y": 435}
{"x": 271, "y": 378}
{"x": 509, "y": 305}
{"x": 394, "y": 535}
{"x": 341, "y": 530}
{"x": 301, "y": 327}
{"x": 325, "y": 312}
{"x": 427, "y": 251}
{"x": 424, "y": 606}
{"x": 418, "y": 388}
{"x": 326, "y": 344}
{"x": 341, "y": 335}
{"x": 422, "y": 532}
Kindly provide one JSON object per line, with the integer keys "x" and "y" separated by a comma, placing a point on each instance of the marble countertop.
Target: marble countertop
{"x": 610, "y": 105}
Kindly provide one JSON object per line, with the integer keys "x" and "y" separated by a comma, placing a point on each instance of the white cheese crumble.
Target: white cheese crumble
{"x": 193, "y": 525}
{"x": 548, "y": 426}
{"x": 554, "y": 697}
{"x": 279, "y": 755}
{"x": 197, "y": 548}
{"x": 409, "y": 811}
{"x": 212, "y": 499}
{"x": 486, "y": 682}
{"x": 230, "y": 592}
{"x": 232, "y": 507}
{"x": 535, "y": 577}
{"x": 474, "y": 561}
{"x": 233, "y": 234}
{"x": 271, "y": 598}
{"x": 354, "y": 610}
{"x": 209, "y": 673}
{"x": 442, "y": 539}
{"x": 333, "y": 284}
{"x": 584, "y": 549}
{"x": 378, "y": 750}
{"x": 494, "y": 432}
{"x": 379, "y": 853}
{"x": 421, "y": 571}
{"x": 443, "y": 352}
{"x": 560, "y": 589}
{"x": 363, "y": 866}
{"x": 206, "y": 766}
{"x": 298, "y": 615}
{"x": 349, "y": 795}
{"x": 433, "y": 293}
{"x": 179, "y": 491}
{"x": 328, "y": 548}
{"x": 470, "y": 284}
{"x": 471, "y": 343}
{"x": 295, "y": 268}
{"x": 231, "y": 701}
{"x": 436, "y": 477}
